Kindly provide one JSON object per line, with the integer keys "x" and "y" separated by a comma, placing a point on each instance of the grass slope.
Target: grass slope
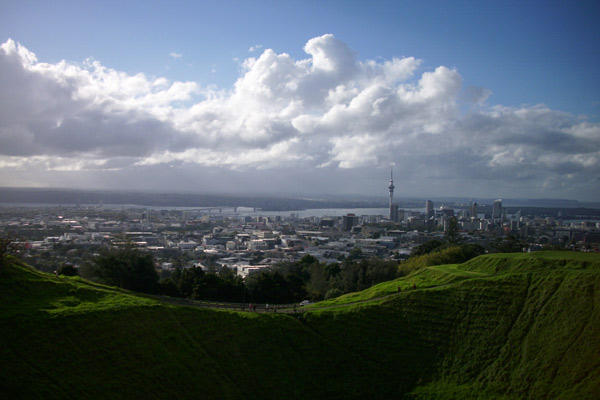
{"x": 423, "y": 278}
{"x": 499, "y": 326}
{"x": 56, "y": 344}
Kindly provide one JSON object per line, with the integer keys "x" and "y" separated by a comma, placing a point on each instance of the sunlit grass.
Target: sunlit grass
{"x": 500, "y": 326}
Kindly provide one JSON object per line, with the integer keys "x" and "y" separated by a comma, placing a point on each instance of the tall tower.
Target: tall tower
{"x": 391, "y": 189}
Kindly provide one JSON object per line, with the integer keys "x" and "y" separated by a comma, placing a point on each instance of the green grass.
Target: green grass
{"x": 425, "y": 277}
{"x": 543, "y": 260}
{"x": 479, "y": 267}
{"x": 497, "y": 327}
{"x": 28, "y": 292}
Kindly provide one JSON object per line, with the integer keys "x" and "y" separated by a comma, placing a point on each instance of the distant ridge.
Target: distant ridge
{"x": 272, "y": 202}
{"x": 73, "y": 196}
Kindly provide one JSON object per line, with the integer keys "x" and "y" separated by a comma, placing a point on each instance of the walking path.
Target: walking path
{"x": 296, "y": 308}
{"x": 260, "y": 308}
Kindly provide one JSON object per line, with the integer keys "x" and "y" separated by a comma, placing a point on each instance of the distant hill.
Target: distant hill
{"x": 267, "y": 203}
{"x": 499, "y": 326}
{"x": 58, "y": 196}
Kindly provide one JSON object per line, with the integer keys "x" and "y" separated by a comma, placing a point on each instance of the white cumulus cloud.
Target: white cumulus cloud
{"x": 328, "y": 112}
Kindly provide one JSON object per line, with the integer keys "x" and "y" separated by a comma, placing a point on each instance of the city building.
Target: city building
{"x": 473, "y": 210}
{"x": 429, "y": 208}
{"x": 394, "y": 216}
{"x": 348, "y": 221}
{"x": 497, "y": 211}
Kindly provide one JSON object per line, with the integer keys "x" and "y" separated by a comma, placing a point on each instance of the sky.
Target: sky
{"x": 461, "y": 98}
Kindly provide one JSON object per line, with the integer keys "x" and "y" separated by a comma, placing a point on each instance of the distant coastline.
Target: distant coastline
{"x": 45, "y": 197}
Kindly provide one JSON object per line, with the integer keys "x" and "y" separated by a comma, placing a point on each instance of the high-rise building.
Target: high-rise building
{"x": 348, "y": 221}
{"x": 394, "y": 213}
{"x": 429, "y": 208}
{"x": 497, "y": 211}
{"x": 473, "y": 210}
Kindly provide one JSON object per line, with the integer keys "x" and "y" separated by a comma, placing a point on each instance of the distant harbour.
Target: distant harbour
{"x": 326, "y": 212}
{"x": 226, "y": 210}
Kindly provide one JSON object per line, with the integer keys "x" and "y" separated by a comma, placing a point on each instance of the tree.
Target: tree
{"x": 67, "y": 270}
{"x": 8, "y": 245}
{"x": 508, "y": 244}
{"x": 318, "y": 284}
{"x": 355, "y": 254}
{"x": 128, "y": 268}
{"x": 269, "y": 287}
{"x": 332, "y": 293}
{"x": 168, "y": 287}
{"x": 186, "y": 279}
{"x": 5, "y": 244}
{"x": 426, "y": 247}
{"x": 380, "y": 271}
{"x": 452, "y": 231}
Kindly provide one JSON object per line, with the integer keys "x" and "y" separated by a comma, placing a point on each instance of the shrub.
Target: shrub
{"x": 67, "y": 270}
{"x": 332, "y": 293}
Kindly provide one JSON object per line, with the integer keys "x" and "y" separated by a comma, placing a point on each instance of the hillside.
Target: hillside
{"x": 498, "y": 326}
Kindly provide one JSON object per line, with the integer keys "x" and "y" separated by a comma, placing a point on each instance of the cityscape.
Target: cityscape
{"x": 246, "y": 240}
{"x": 299, "y": 200}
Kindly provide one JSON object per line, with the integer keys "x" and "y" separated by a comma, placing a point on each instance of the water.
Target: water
{"x": 228, "y": 211}
{"x": 325, "y": 212}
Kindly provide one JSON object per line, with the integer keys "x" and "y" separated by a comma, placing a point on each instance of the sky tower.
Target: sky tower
{"x": 391, "y": 187}
{"x": 393, "y": 210}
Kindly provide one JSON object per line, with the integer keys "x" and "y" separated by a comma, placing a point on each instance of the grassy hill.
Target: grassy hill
{"x": 499, "y": 326}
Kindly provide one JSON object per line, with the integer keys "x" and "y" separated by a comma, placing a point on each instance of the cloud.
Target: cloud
{"x": 254, "y": 48}
{"x": 175, "y": 55}
{"x": 321, "y": 115}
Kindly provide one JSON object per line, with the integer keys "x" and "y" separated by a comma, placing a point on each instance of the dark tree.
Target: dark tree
{"x": 332, "y": 293}
{"x": 318, "y": 284}
{"x": 269, "y": 287}
{"x": 8, "y": 245}
{"x": 67, "y": 270}
{"x": 355, "y": 254}
{"x": 452, "y": 231}
{"x": 508, "y": 244}
{"x": 4, "y": 249}
{"x": 128, "y": 268}
{"x": 168, "y": 287}
{"x": 427, "y": 247}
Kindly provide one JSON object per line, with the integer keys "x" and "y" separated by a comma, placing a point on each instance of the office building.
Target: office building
{"x": 429, "y": 208}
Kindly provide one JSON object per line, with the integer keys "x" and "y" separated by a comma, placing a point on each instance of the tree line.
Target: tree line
{"x": 286, "y": 282}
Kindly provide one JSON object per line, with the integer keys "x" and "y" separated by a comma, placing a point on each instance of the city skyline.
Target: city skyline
{"x": 494, "y": 100}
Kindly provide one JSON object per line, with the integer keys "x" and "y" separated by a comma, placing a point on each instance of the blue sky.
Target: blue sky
{"x": 484, "y": 98}
{"x": 526, "y": 52}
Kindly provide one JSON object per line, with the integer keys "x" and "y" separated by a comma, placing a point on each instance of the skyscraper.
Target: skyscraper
{"x": 394, "y": 213}
{"x": 473, "y": 209}
{"x": 348, "y": 221}
{"x": 429, "y": 208}
{"x": 497, "y": 211}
